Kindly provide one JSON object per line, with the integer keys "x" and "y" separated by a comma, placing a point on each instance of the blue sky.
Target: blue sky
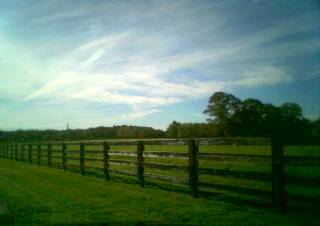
{"x": 95, "y": 62}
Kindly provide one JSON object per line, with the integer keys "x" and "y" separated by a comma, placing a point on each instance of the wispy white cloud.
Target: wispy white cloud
{"x": 263, "y": 76}
{"x": 144, "y": 77}
{"x": 139, "y": 114}
{"x": 130, "y": 54}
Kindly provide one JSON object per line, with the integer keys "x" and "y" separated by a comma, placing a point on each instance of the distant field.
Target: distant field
{"x": 39, "y": 195}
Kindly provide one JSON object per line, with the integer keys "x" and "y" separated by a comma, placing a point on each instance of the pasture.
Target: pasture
{"x": 234, "y": 184}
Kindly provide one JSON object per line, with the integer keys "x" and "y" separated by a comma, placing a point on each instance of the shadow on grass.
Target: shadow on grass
{"x": 236, "y": 195}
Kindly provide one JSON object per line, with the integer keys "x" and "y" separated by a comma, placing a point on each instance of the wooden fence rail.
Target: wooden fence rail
{"x": 53, "y": 151}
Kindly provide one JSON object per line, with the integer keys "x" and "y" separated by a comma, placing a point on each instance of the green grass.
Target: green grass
{"x": 226, "y": 186}
{"x": 33, "y": 194}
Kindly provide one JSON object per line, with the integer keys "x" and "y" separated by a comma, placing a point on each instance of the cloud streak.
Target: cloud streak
{"x": 146, "y": 57}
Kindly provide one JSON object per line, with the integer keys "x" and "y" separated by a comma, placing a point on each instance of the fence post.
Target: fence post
{"x": 278, "y": 176}
{"x": 106, "y": 158}
{"x": 30, "y": 153}
{"x": 193, "y": 168}
{"x": 140, "y": 160}
{"x": 49, "y": 155}
{"x": 64, "y": 156}
{"x": 39, "y": 154}
{"x": 82, "y": 156}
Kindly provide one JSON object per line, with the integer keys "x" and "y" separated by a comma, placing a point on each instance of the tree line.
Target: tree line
{"x": 228, "y": 116}
{"x": 114, "y": 132}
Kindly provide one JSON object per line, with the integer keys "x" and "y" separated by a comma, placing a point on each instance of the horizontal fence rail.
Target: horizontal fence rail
{"x": 79, "y": 155}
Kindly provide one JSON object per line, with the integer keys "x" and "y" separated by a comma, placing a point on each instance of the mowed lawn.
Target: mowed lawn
{"x": 42, "y": 195}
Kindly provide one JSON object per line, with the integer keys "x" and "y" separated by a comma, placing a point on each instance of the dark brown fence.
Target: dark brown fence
{"x": 50, "y": 153}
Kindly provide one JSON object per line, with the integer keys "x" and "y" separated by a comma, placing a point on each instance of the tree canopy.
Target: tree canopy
{"x": 251, "y": 117}
{"x": 101, "y": 132}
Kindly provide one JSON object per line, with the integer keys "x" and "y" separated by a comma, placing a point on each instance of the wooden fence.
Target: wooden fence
{"x": 40, "y": 153}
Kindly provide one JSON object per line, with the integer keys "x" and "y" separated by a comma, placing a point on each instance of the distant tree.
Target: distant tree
{"x": 291, "y": 112}
{"x": 272, "y": 121}
{"x": 173, "y": 130}
{"x": 251, "y": 117}
{"x": 248, "y": 119}
{"x": 221, "y": 108}
{"x": 82, "y": 134}
{"x": 292, "y": 121}
{"x": 315, "y": 125}
{"x": 191, "y": 130}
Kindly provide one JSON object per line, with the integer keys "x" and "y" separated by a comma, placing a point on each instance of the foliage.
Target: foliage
{"x": 123, "y": 131}
{"x": 251, "y": 117}
{"x": 315, "y": 125}
{"x": 191, "y": 130}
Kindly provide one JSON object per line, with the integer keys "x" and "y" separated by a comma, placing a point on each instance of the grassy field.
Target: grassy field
{"x": 40, "y": 195}
{"x": 251, "y": 189}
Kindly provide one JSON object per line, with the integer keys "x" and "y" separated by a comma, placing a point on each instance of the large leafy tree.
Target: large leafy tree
{"x": 316, "y": 127}
{"x": 251, "y": 117}
{"x": 173, "y": 130}
{"x": 292, "y": 121}
{"x": 221, "y": 109}
{"x": 291, "y": 112}
{"x": 248, "y": 119}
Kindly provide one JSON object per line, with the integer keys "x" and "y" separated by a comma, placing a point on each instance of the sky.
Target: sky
{"x": 101, "y": 63}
